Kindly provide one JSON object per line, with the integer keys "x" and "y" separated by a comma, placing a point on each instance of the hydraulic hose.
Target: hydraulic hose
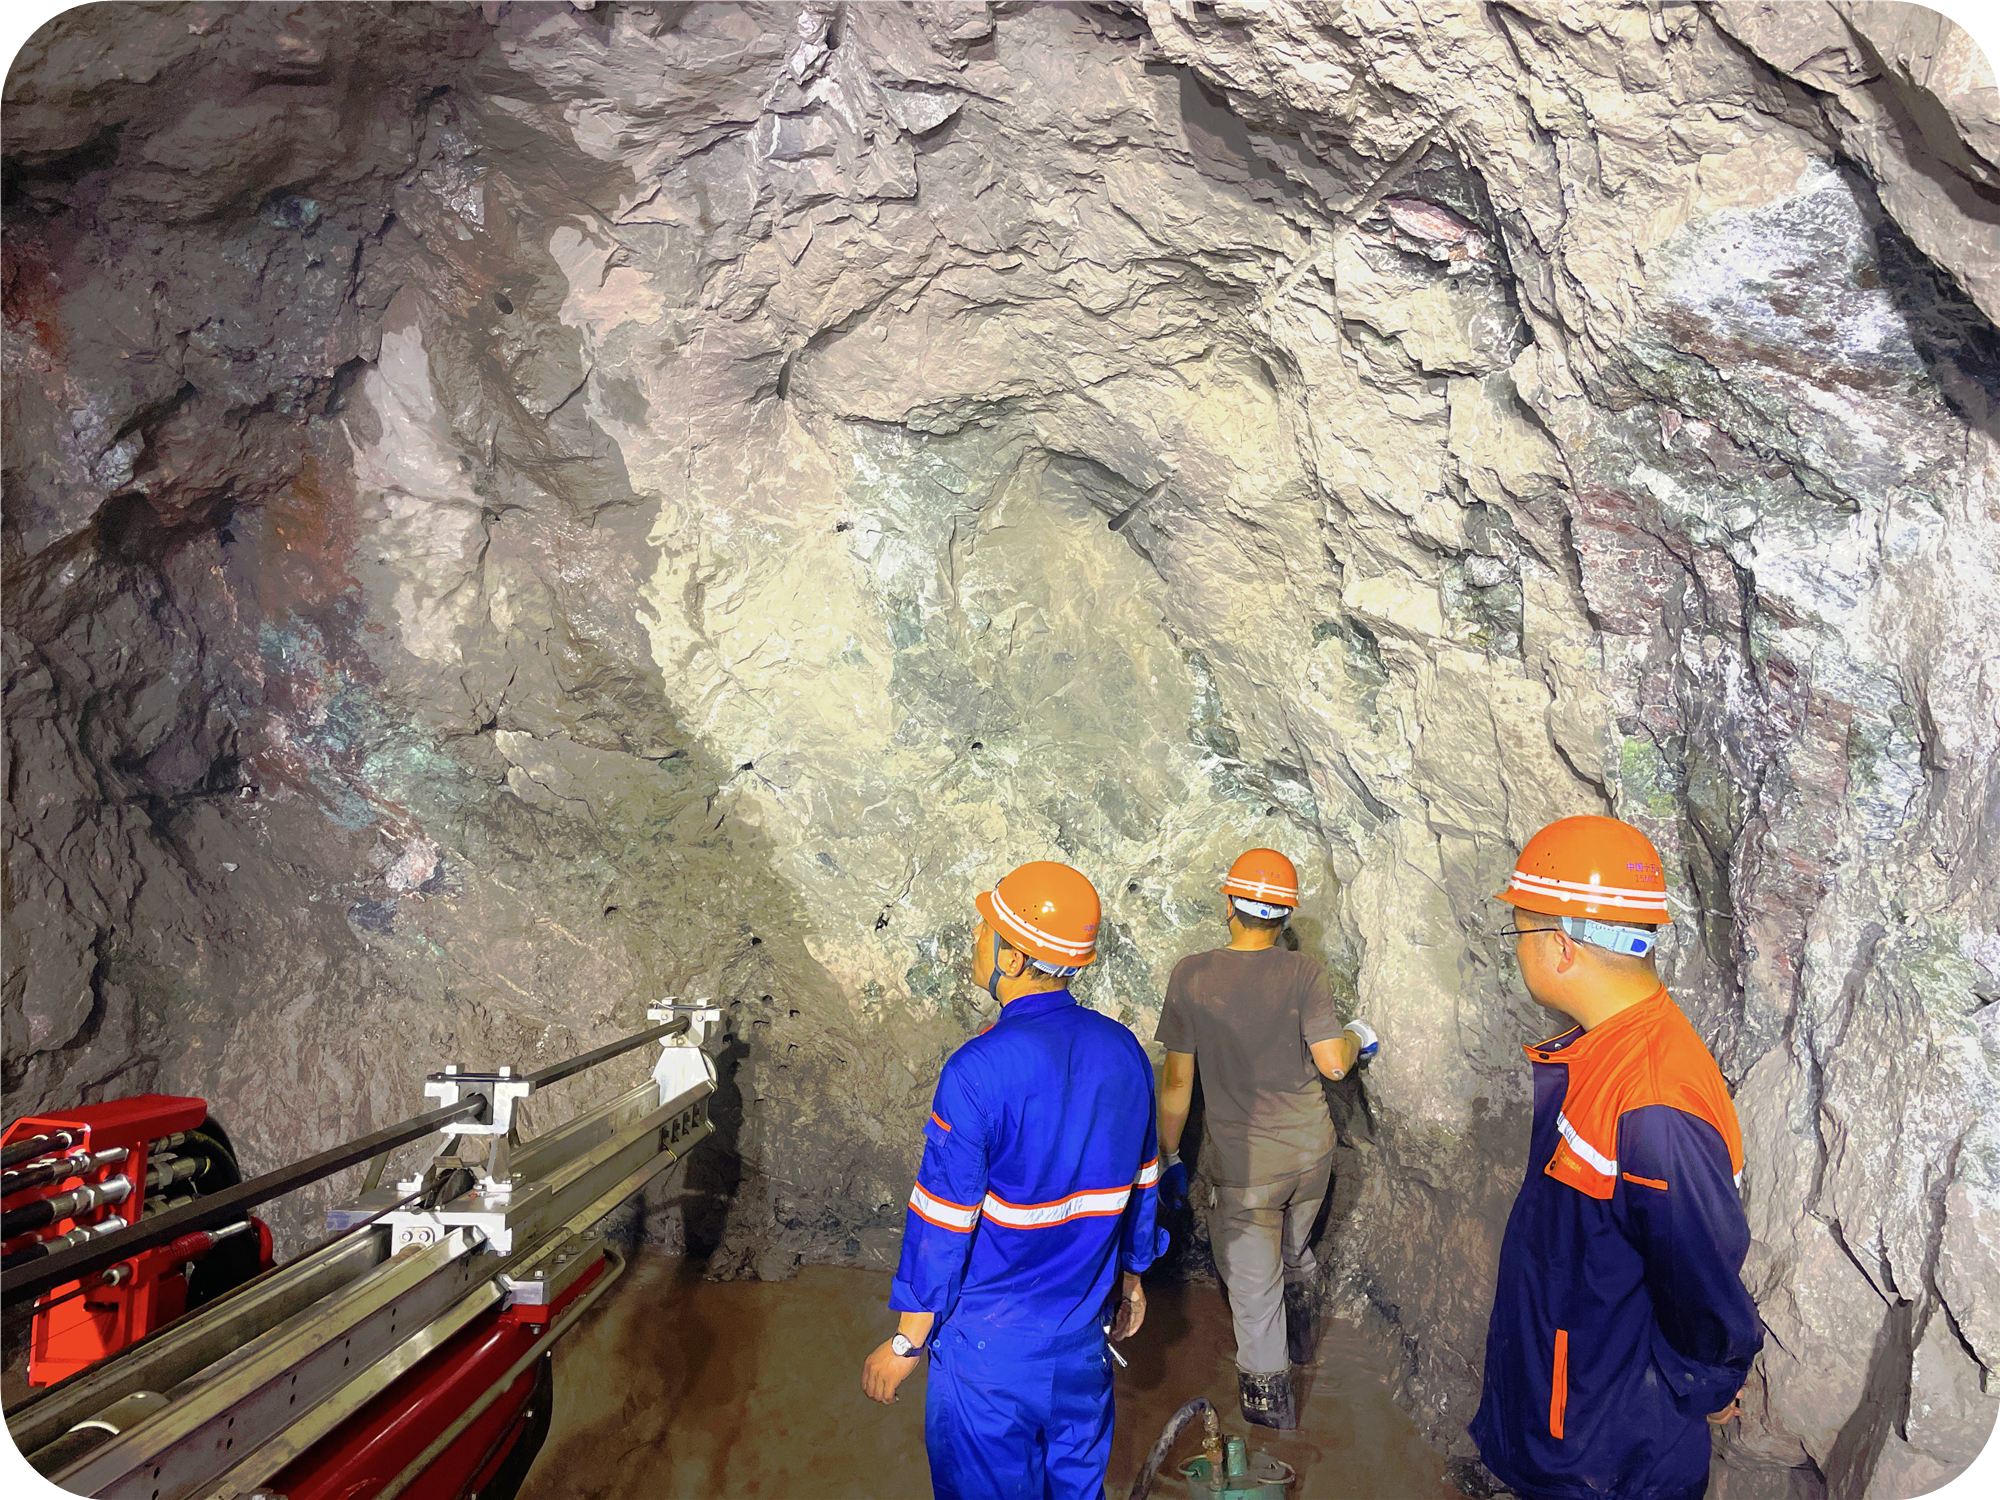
{"x": 1211, "y": 1442}
{"x": 56, "y": 1168}
{"x": 16, "y": 1152}
{"x": 45, "y": 1211}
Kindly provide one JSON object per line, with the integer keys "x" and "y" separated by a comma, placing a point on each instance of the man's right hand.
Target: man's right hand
{"x": 1173, "y": 1186}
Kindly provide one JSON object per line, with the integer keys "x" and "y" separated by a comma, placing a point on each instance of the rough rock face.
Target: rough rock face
{"x": 513, "y": 512}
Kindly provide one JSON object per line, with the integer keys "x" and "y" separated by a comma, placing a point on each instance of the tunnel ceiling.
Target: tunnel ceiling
{"x": 512, "y": 511}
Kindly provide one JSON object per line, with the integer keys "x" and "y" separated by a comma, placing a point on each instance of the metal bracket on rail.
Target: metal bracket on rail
{"x": 505, "y": 1093}
{"x": 683, "y": 1063}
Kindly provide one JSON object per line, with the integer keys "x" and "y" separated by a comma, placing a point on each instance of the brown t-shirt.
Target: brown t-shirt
{"x": 1249, "y": 1019}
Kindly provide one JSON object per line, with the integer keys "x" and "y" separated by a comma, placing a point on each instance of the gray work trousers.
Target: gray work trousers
{"x": 1259, "y": 1238}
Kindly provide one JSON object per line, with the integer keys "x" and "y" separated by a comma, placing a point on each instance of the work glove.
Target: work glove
{"x": 1365, "y": 1035}
{"x": 1173, "y": 1183}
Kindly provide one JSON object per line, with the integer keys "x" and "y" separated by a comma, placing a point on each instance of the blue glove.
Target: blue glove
{"x": 1173, "y": 1187}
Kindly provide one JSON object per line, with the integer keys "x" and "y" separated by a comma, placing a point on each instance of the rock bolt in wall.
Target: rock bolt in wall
{"x": 512, "y": 511}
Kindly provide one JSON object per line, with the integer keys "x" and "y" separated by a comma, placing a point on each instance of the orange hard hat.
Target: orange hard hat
{"x": 1047, "y": 911}
{"x": 1590, "y": 867}
{"x": 1263, "y": 875}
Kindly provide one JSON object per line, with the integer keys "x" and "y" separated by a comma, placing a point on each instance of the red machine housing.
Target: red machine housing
{"x": 373, "y": 1446}
{"x": 75, "y": 1326}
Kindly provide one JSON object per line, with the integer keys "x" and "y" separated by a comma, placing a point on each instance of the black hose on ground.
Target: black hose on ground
{"x": 1176, "y": 1424}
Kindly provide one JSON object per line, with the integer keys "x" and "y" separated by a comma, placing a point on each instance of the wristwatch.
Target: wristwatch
{"x": 902, "y": 1348}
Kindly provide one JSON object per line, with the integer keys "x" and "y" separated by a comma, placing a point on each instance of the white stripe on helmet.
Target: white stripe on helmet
{"x": 1572, "y": 890}
{"x": 1061, "y": 945}
{"x": 1262, "y": 888}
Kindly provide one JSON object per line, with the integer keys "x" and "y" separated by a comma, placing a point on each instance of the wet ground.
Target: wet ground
{"x": 678, "y": 1387}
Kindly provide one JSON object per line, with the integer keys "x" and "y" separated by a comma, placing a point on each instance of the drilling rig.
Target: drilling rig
{"x": 406, "y": 1354}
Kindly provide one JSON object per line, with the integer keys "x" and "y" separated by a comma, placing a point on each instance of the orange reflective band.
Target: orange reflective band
{"x": 938, "y": 1122}
{"x": 957, "y": 1217}
{"x": 1089, "y": 1203}
{"x": 1651, "y": 1182}
{"x": 1559, "y": 1384}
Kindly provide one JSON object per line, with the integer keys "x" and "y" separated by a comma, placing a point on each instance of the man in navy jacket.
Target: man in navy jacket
{"x": 1619, "y": 1319}
{"x": 1037, "y": 1192}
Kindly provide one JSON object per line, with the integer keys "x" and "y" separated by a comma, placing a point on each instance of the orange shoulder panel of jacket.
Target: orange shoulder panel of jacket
{"x": 1659, "y": 1060}
{"x": 1688, "y": 1080}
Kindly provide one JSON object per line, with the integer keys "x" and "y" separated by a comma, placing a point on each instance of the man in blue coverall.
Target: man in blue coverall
{"x": 1037, "y": 1193}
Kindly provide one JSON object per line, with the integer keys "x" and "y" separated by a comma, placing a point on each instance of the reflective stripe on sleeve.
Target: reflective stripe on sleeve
{"x": 1588, "y": 1153}
{"x": 1148, "y": 1174}
{"x": 942, "y": 1212}
{"x": 1089, "y": 1204}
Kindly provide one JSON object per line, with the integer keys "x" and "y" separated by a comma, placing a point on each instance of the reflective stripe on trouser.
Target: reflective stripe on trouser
{"x": 1259, "y": 1238}
{"x": 1010, "y": 1419}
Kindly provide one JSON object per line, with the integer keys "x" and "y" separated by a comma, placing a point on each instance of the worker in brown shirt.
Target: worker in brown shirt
{"x": 1259, "y": 1020}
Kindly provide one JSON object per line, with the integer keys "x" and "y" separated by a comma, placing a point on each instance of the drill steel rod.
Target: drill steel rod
{"x": 555, "y": 1072}
{"x": 217, "y": 1208}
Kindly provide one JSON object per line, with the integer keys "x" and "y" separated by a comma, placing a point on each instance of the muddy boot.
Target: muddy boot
{"x": 1301, "y": 1323}
{"x": 1267, "y": 1399}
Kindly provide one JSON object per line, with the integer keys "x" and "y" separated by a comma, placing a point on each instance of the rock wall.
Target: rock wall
{"x": 514, "y": 510}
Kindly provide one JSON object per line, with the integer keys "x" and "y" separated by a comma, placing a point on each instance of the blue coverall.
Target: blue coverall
{"x": 1038, "y": 1185}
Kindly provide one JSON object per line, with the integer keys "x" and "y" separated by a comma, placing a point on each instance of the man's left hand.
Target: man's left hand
{"x": 1730, "y": 1412}
{"x": 884, "y": 1370}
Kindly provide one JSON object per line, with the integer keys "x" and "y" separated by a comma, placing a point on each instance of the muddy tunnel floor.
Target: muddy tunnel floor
{"x": 676, "y": 1386}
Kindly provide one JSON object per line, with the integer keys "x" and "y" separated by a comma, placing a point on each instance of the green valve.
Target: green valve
{"x": 1245, "y": 1475}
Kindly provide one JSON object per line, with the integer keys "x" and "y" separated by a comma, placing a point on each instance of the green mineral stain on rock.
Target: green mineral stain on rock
{"x": 1646, "y": 778}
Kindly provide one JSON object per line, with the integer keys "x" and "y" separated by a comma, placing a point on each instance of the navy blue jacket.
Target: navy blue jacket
{"x": 1038, "y": 1182}
{"x": 1619, "y": 1320}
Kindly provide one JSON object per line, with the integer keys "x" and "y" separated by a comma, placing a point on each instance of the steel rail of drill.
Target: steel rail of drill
{"x": 218, "y": 1208}
{"x": 571, "y": 1316}
{"x": 279, "y": 1366}
{"x": 243, "y": 1420}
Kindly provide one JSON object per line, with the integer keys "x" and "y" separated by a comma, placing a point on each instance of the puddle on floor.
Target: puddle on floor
{"x": 678, "y": 1387}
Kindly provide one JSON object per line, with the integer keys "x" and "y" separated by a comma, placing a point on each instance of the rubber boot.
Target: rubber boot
{"x": 1267, "y": 1399}
{"x": 1301, "y": 1323}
